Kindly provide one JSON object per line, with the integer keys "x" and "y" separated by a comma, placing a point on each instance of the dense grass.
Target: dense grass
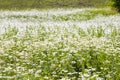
{"x": 61, "y": 53}
{"x": 87, "y": 15}
{"x": 82, "y": 15}
{"x": 25, "y": 4}
{"x": 45, "y": 53}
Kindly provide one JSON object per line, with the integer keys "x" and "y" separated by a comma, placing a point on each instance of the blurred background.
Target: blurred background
{"x": 23, "y": 4}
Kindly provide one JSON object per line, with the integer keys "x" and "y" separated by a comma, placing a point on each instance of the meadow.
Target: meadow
{"x": 60, "y": 44}
{"x": 40, "y": 4}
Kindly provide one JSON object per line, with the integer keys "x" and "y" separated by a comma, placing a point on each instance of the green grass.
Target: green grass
{"x": 55, "y": 53}
{"x": 42, "y": 53}
{"x": 78, "y": 16}
{"x": 86, "y": 15}
{"x": 25, "y": 4}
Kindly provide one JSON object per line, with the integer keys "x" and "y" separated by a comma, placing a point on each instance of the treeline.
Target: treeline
{"x": 8, "y": 4}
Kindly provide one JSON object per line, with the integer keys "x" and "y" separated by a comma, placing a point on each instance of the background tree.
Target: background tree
{"x": 116, "y": 4}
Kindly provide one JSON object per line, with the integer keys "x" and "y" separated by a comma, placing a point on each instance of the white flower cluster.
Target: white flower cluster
{"x": 35, "y": 45}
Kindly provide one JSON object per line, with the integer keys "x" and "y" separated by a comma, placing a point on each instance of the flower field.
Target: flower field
{"x": 60, "y": 44}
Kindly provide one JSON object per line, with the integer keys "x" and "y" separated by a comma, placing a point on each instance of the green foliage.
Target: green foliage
{"x": 87, "y": 15}
{"x": 84, "y": 53}
{"x": 60, "y": 52}
{"x": 116, "y": 4}
{"x": 23, "y": 4}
